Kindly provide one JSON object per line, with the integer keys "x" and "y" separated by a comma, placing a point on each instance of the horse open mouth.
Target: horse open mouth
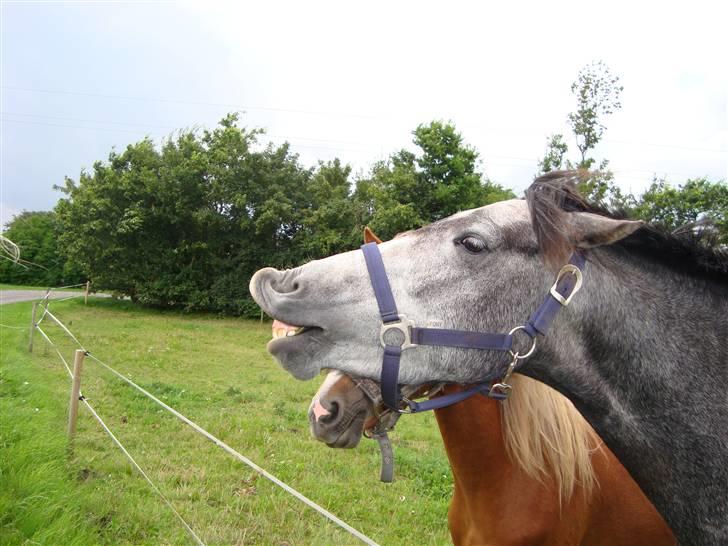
{"x": 287, "y": 337}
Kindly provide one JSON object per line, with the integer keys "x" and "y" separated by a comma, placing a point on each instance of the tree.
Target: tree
{"x": 554, "y": 157}
{"x": 188, "y": 224}
{"x": 333, "y": 220}
{"x": 36, "y": 233}
{"x": 598, "y": 94}
{"x": 409, "y": 190}
{"x": 696, "y": 200}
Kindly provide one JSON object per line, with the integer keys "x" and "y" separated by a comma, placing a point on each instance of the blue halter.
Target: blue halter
{"x": 399, "y": 334}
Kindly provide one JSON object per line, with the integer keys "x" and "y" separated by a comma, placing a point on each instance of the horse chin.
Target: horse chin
{"x": 349, "y": 438}
{"x": 296, "y": 364}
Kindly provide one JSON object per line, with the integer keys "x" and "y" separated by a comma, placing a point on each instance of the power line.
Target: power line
{"x": 194, "y": 102}
{"x": 380, "y": 116}
{"x": 521, "y": 161}
{"x": 145, "y": 133}
{"x": 176, "y": 127}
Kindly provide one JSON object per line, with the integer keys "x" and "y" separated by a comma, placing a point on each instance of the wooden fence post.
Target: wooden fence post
{"x": 85, "y": 296}
{"x": 32, "y": 327}
{"x": 75, "y": 392}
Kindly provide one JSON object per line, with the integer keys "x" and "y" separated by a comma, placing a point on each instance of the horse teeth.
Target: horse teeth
{"x": 287, "y": 332}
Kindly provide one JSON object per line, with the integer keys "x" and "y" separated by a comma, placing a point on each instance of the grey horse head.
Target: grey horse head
{"x": 478, "y": 270}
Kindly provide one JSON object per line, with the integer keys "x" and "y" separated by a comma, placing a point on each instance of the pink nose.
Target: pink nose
{"x": 319, "y": 411}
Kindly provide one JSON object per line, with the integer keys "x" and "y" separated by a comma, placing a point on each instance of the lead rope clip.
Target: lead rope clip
{"x": 502, "y": 390}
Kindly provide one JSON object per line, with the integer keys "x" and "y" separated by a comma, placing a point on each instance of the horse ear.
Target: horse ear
{"x": 589, "y": 230}
{"x": 369, "y": 236}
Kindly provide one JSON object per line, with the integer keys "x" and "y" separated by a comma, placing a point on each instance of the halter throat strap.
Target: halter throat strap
{"x": 398, "y": 333}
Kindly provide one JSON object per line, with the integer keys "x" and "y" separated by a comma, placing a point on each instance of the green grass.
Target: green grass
{"x": 216, "y": 372}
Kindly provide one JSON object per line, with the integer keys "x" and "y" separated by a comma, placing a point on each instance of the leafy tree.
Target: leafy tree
{"x": 36, "y": 235}
{"x": 333, "y": 220}
{"x": 186, "y": 225}
{"x": 412, "y": 189}
{"x": 598, "y": 94}
{"x": 554, "y": 158}
{"x": 696, "y": 200}
{"x": 389, "y": 196}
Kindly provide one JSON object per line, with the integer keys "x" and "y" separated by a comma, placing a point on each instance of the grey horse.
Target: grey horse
{"x": 642, "y": 350}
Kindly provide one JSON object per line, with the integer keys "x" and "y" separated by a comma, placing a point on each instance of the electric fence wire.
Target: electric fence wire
{"x": 331, "y": 517}
{"x": 144, "y": 474}
{"x": 121, "y": 446}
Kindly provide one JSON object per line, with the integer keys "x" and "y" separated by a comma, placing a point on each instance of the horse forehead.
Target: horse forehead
{"x": 500, "y": 214}
{"x": 506, "y": 213}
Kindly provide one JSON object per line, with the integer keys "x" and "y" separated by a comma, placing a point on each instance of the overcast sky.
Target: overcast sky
{"x": 352, "y": 80}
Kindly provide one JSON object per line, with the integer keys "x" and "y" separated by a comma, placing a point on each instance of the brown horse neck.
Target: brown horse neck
{"x": 473, "y": 436}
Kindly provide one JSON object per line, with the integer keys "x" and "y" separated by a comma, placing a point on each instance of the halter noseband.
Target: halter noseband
{"x": 398, "y": 333}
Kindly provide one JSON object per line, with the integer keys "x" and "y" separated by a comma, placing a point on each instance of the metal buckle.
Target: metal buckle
{"x": 403, "y": 325}
{"x": 568, "y": 268}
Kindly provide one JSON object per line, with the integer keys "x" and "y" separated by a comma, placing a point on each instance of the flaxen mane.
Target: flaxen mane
{"x": 552, "y": 196}
{"x": 546, "y": 436}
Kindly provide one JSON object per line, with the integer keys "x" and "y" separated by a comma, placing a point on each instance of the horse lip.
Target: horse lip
{"x": 349, "y": 444}
{"x": 345, "y": 440}
{"x": 294, "y": 343}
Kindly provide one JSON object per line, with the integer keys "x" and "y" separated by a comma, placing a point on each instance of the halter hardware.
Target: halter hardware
{"x": 568, "y": 268}
{"x": 404, "y": 326}
{"x": 502, "y": 389}
{"x": 398, "y": 333}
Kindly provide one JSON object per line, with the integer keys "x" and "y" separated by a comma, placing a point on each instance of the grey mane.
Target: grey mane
{"x": 693, "y": 252}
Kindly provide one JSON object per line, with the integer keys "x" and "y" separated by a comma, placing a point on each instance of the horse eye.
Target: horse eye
{"x": 473, "y": 244}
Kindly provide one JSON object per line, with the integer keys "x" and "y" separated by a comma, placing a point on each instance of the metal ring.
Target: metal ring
{"x": 515, "y": 354}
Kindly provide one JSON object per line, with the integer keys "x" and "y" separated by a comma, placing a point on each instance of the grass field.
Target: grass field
{"x": 216, "y": 372}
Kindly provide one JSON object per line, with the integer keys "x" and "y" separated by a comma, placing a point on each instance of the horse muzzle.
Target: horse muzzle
{"x": 338, "y": 423}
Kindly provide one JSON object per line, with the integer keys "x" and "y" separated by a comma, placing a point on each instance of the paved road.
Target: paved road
{"x": 14, "y": 296}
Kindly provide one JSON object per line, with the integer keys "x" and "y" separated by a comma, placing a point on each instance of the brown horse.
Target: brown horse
{"x": 527, "y": 471}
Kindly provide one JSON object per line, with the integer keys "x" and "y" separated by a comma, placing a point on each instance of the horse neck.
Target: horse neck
{"x": 489, "y": 487}
{"x": 473, "y": 436}
{"x": 643, "y": 354}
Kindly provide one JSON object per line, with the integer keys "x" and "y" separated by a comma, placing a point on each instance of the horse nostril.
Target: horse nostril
{"x": 332, "y": 415}
{"x": 283, "y": 282}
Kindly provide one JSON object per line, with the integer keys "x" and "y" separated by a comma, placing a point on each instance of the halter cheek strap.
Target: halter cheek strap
{"x": 398, "y": 334}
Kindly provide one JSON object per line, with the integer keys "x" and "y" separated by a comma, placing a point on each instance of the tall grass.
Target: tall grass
{"x": 216, "y": 372}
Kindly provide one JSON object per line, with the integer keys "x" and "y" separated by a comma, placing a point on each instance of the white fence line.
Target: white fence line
{"x": 120, "y": 445}
{"x": 144, "y": 474}
{"x": 328, "y": 515}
